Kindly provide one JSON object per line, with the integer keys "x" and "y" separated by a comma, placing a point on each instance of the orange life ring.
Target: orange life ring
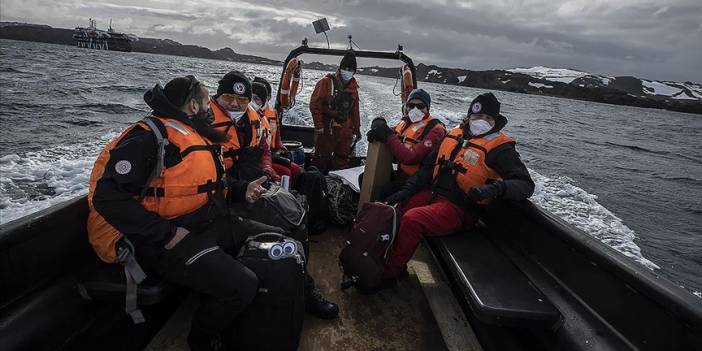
{"x": 407, "y": 83}
{"x": 291, "y": 80}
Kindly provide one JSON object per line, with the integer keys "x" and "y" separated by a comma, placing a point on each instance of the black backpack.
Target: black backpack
{"x": 343, "y": 201}
{"x": 312, "y": 185}
{"x": 274, "y": 319}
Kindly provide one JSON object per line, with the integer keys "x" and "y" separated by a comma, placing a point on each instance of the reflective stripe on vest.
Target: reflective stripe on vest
{"x": 466, "y": 158}
{"x": 409, "y": 135}
{"x": 223, "y": 123}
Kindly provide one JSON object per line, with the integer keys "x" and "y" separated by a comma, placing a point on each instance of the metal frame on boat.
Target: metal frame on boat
{"x": 385, "y": 55}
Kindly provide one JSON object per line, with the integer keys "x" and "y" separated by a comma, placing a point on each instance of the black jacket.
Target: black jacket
{"x": 114, "y": 195}
{"x": 504, "y": 159}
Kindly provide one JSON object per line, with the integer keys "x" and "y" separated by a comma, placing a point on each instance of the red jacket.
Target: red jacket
{"x": 320, "y": 105}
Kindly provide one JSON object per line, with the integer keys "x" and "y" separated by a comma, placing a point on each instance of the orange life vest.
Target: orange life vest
{"x": 407, "y": 83}
{"x": 411, "y": 134}
{"x": 466, "y": 158}
{"x": 178, "y": 190}
{"x": 272, "y": 119}
{"x": 223, "y": 123}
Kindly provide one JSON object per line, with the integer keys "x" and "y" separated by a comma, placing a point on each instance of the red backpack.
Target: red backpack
{"x": 362, "y": 260}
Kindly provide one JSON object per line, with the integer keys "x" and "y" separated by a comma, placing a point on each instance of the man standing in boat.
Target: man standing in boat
{"x": 157, "y": 192}
{"x": 247, "y": 156}
{"x": 337, "y": 120}
{"x": 411, "y": 140}
{"x": 474, "y": 164}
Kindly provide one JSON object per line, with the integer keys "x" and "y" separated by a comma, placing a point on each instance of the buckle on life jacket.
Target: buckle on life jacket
{"x": 134, "y": 275}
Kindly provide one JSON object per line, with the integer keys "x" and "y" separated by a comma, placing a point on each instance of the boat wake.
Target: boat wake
{"x": 578, "y": 207}
{"x": 34, "y": 181}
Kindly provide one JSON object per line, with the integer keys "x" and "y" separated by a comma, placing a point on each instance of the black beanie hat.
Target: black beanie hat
{"x": 421, "y": 95}
{"x": 177, "y": 90}
{"x": 485, "y": 103}
{"x": 263, "y": 81}
{"x": 234, "y": 82}
{"x": 260, "y": 90}
{"x": 349, "y": 61}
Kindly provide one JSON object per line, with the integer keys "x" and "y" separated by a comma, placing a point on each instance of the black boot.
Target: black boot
{"x": 201, "y": 341}
{"x": 318, "y": 306}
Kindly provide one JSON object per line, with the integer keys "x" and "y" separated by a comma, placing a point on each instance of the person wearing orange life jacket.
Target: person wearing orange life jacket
{"x": 334, "y": 106}
{"x": 262, "y": 93}
{"x": 157, "y": 193}
{"x": 246, "y": 150}
{"x": 474, "y": 163}
{"x": 411, "y": 140}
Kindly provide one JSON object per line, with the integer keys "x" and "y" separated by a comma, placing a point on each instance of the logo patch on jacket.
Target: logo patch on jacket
{"x": 427, "y": 143}
{"x": 123, "y": 167}
{"x": 471, "y": 157}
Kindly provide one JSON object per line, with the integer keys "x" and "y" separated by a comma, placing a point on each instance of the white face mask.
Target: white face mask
{"x": 415, "y": 115}
{"x": 236, "y": 115}
{"x": 346, "y": 75}
{"x": 254, "y": 105}
{"x": 479, "y": 127}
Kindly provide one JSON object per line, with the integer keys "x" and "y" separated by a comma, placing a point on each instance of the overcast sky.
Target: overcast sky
{"x": 648, "y": 39}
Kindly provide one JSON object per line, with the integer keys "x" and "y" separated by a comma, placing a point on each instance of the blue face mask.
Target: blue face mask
{"x": 346, "y": 75}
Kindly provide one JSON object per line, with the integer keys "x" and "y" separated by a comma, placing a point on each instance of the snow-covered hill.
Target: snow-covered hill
{"x": 644, "y": 87}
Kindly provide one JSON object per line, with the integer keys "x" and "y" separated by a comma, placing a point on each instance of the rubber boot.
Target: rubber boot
{"x": 316, "y": 304}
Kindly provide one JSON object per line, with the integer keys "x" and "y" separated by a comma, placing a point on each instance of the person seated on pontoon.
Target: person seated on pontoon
{"x": 283, "y": 166}
{"x": 246, "y": 149}
{"x": 161, "y": 203}
{"x": 411, "y": 140}
{"x": 474, "y": 164}
{"x": 247, "y": 156}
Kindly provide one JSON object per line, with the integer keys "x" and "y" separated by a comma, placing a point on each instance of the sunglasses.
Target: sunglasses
{"x": 231, "y": 98}
{"x": 419, "y": 105}
{"x": 193, "y": 84}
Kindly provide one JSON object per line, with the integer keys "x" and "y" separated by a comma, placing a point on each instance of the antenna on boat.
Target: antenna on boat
{"x": 352, "y": 43}
{"x": 322, "y": 26}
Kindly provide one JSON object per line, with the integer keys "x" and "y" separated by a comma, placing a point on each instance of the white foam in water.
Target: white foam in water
{"x": 580, "y": 208}
{"x": 38, "y": 180}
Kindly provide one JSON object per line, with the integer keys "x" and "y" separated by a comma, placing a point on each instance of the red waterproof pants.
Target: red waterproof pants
{"x": 293, "y": 171}
{"x": 423, "y": 216}
{"x": 333, "y": 150}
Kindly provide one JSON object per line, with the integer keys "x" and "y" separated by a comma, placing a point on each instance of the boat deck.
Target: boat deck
{"x": 401, "y": 318}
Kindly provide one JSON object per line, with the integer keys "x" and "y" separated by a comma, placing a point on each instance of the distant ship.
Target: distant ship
{"x": 93, "y": 38}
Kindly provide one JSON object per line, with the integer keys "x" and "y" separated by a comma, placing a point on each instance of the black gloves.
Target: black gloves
{"x": 487, "y": 191}
{"x": 379, "y": 131}
{"x": 397, "y": 197}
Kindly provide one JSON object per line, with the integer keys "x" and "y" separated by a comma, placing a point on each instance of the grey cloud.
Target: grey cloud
{"x": 646, "y": 39}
